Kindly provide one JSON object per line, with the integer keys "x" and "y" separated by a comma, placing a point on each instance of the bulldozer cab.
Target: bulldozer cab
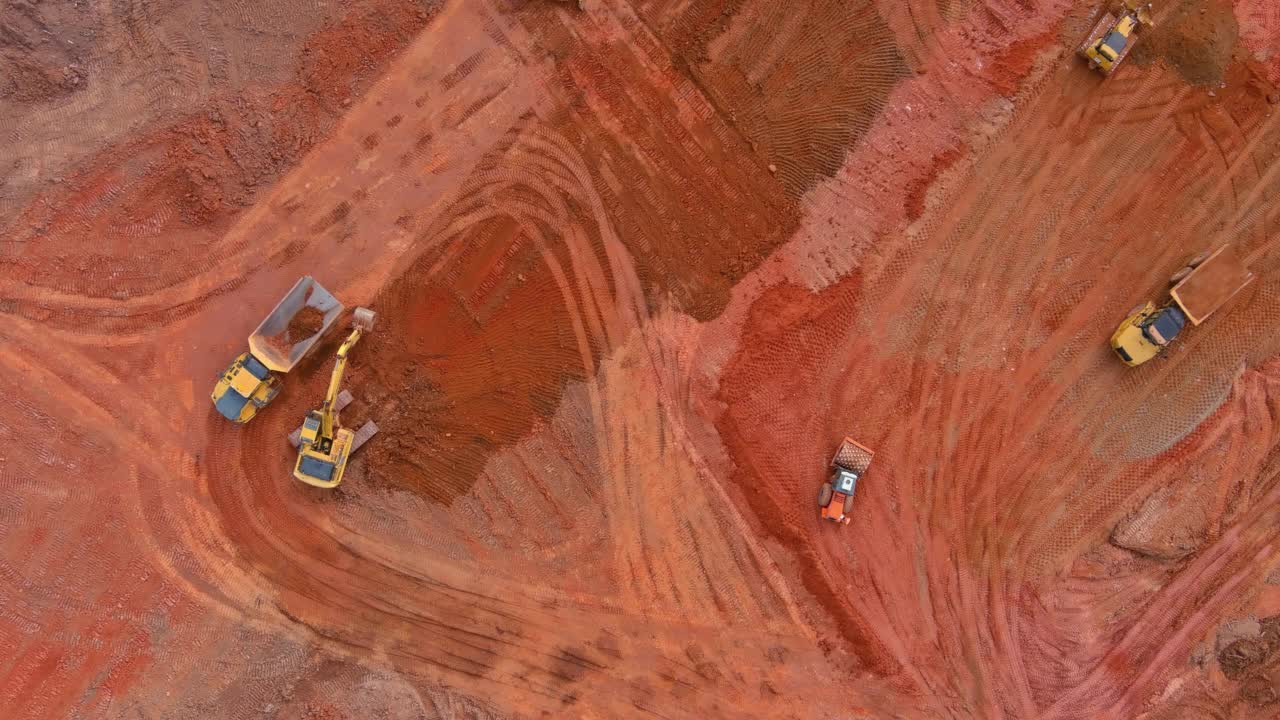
{"x": 1113, "y": 45}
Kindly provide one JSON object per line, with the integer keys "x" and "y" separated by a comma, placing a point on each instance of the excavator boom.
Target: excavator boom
{"x": 363, "y": 321}
{"x": 329, "y": 410}
{"x": 324, "y": 446}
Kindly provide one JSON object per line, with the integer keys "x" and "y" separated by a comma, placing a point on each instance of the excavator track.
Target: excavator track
{"x": 363, "y": 435}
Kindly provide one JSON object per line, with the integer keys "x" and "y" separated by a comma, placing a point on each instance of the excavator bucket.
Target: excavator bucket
{"x": 363, "y": 318}
{"x": 295, "y": 325}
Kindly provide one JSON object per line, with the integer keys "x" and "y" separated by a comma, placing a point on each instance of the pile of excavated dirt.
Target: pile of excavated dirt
{"x": 306, "y": 323}
{"x": 1197, "y": 39}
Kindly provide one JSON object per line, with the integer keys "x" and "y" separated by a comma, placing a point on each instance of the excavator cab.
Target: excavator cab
{"x": 321, "y": 460}
{"x": 324, "y": 446}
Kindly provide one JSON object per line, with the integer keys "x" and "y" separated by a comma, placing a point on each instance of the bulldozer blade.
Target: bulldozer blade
{"x": 366, "y": 431}
{"x": 344, "y": 399}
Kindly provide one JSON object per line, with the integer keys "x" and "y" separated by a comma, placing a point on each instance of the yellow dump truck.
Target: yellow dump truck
{"x": 289, "y": 332}
{"x": 1199, "y": 289}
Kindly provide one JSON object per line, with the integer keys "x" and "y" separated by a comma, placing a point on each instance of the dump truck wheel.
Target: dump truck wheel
{"x": 824, "y": 495}
{"x": 1196, "y": 261}
{"x": 1177, "y": 277}
{"x": 848, "y": 504}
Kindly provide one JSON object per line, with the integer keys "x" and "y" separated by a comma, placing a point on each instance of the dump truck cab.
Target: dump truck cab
{"x": 1198, "y": 289}
{"x": 1147, "y": 332}
{"x": 835, "y": 498}
{"x": 244, "y": 388}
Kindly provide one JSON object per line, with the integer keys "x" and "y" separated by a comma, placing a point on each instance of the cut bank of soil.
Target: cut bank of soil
{"x": 43, "y": 49}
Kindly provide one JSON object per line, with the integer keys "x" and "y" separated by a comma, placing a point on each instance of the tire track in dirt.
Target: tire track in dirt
{"x": 805, "y": 448}
{"x": 966, "y": 342}
{"x": 534, "y": 177}
{"x": 800, "y": 114}
{"x": 587, "y": 565}
{"x": 1031, "y": 365}
{"x": 148, "y": 213}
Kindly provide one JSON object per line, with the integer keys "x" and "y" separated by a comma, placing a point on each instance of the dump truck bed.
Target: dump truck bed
{"x": 852, "y": 456}
{"x": 1212, "y": 284}
{"x": 274, "y": 343}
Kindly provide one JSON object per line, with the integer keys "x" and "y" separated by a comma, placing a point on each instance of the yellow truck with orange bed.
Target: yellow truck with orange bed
{"x": 1199, "y": 289}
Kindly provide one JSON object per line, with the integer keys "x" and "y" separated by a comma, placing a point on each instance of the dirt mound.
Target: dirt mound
{"x": 303, "y": 325}
{"x": 802, "y": 112}
{"x": 1242, "y": 655}
{"x": 466, "y": 361}
{"x": 306, "y": 323}
{"x": 1197, "y": 39}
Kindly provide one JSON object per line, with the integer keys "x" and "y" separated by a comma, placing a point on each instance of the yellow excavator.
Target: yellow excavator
{"x": 324, "y": 446}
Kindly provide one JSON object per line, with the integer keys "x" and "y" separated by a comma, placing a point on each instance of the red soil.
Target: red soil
{"x": 306, "y": 323}
{"x": 638, "y": 269}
